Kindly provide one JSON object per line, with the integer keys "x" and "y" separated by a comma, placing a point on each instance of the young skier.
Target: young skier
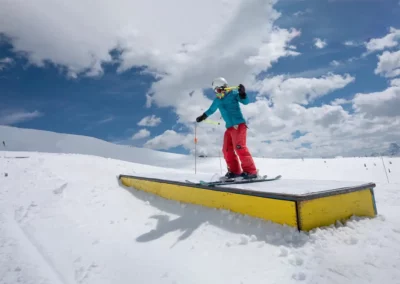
{"x": 234, "y": 146}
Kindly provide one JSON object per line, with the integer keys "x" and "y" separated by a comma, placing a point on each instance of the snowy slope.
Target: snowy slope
{"x": 366, "y": 169}
{"x": 20, "y": 139}
{"x": 65, "y": 219}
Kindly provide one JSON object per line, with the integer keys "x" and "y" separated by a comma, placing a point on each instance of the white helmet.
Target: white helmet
{"x": 219, "y": 82}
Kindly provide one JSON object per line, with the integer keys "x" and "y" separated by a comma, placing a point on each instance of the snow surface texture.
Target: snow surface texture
{"x": 65, "y": 219}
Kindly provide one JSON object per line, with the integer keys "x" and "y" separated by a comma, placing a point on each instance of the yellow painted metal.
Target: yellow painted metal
{"x": 324, "y": 211}
{"x": 275, "y": 210}
{"x": 304, "y": 212}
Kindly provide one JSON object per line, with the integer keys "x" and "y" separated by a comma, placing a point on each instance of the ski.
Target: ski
{"x": 240, "y": 181}
{"x": 236, "y": 181}
{"x": 231, "y": 180}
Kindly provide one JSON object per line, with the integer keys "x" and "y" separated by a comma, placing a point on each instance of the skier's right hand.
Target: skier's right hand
{"x": 201, "y": 117}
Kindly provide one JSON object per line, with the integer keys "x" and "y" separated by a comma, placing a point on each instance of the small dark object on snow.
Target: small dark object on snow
{"x": 6, "y": 174}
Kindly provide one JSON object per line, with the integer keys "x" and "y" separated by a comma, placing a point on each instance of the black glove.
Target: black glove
{"x": 242, "y": 92}
{"x": 201, "y": 117}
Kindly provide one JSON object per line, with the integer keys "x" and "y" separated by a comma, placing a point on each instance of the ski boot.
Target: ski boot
{"x": 229, "y": 176}
{"x": 246, "y": 175}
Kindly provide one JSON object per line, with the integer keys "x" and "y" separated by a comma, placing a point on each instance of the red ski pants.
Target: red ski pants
{"x": 235, "y": 149}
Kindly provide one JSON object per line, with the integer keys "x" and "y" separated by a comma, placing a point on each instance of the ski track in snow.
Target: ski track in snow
{"x": 65, "y": 219}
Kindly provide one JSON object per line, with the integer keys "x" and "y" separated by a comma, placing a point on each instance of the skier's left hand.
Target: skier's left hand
{"x": 242, "y": 91}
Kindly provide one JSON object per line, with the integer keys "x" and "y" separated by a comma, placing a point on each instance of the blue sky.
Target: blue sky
{"x": 109, "y": 106}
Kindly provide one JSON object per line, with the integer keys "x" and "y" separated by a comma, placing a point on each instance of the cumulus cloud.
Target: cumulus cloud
{"x": 334, "y": 63}
{"x": 301, "y": 90}
{"x": 340, "y": 101}
{"x": 150, "y": 121}
{"x": 395, "y": 82}
{"x": 319, "y": 43}
{"x": 142, "y": 133}
{"x": 184, "y": 51}
{"x": 385, "y": 103}
{"x": 390, "y": 40}
{"x": 6, "y": 62}
{"x": 327, "y": 130}
{"x": 388, "y": 64}
{"x": 274, "y": 116}
{"x": 80, "y": 35}
{"x": 238, "y": 51}
{"x": 167, "y": 140}
{"x": 236, "y": 39}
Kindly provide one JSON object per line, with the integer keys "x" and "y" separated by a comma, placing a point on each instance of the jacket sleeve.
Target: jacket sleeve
{"x": 212, "y": 108}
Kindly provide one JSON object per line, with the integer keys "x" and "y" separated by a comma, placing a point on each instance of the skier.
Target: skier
{"x": 227, "y": 101}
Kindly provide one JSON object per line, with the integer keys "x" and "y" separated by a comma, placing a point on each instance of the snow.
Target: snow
{"x": 64, "y": 218}
{"x": 296, "y": 186}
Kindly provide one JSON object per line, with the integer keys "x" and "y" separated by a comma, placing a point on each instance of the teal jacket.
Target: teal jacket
{"x": 229, "y": 108}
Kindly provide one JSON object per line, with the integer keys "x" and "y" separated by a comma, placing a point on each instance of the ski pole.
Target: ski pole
{"x": 195, "y": 148}
{"x": 231, "y": 88}
{"x": 212, "y": 122}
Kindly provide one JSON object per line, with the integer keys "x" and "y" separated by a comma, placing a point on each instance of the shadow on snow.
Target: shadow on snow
{"x": 191, "y": 217}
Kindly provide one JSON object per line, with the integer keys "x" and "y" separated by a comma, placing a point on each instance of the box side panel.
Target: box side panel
{"x": 275, "y": 210}
{"x": 327, "y": 210}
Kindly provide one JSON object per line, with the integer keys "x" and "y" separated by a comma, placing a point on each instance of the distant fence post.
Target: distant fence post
{"x": 387, "y": 177}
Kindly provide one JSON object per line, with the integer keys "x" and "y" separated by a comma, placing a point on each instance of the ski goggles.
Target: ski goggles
{"x": 219, "y": 92}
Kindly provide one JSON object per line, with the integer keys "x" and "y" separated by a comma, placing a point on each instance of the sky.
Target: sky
{"x": 322, "y": 76}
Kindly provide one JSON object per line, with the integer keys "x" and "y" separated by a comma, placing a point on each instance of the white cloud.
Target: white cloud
{"x": 236, "y": 39}
{"x": 238, "y": 51}
{"x": 150, "y": 121}
{"x": 384, "y": 103}
{"x": 340, "y": 101}
{"x": 169, "y": 47}
{"x": 184, "y": 50}
{"x": 167, "y": 140}
{"x": 9, "y": 117}
{"x": 274, "y": 120}
{"x": 395, "y": 82}
{"x": 327, "y": 115}
{"x": 328, "y": 130}
{"x": 319, "y": 43}
{"x": 335, "y": 63}
{"x": 388, "y": 41}
{"x": 389, "y": 64}
{"x": 142, "y": 133}
{"x": 274, "y": 49}
{"x": 144, "y": 30}
{"x": 6, "y": 62}
{"x": 301, "y": 90}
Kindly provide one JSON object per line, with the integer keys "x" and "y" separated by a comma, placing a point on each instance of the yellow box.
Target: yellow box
{"x": 304, "y": 212}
